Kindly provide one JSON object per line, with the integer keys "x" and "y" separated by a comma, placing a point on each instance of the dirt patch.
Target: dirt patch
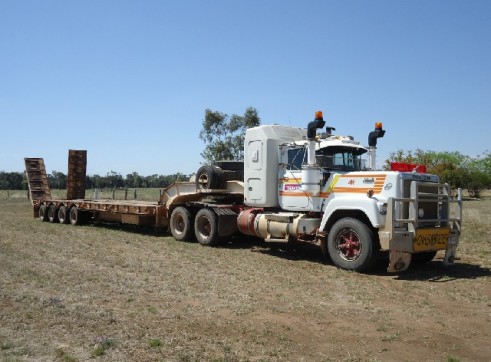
{"x": 77, "y": 293}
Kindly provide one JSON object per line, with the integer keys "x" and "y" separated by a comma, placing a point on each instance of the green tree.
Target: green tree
{"x": 224, "y": 135}
{"x": 57, "y": 180}
{"x": 479, "y": 174}
{"x": 12, "y": 181}
{"x": 134, "y": 180}
{"x": 114, "y": 179}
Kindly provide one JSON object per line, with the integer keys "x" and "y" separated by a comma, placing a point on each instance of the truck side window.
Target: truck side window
{"x": 296, "y": 158}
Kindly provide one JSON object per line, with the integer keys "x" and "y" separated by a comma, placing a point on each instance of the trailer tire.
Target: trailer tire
{"x": 423, "y": 258}
{"x": 43, "y": 212}
{"x": 206, "y": 227}
{"x": 207, "y": 177}
{"x": 351, "y": 245}
{"x": 63, "y": 215}
{"x": 181, "y": 224}
{"x": 75, "y": 216}
{"x": 53, "y": 213}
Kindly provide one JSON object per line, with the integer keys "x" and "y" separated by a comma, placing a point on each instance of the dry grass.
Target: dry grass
{"x": 111, "y": 293}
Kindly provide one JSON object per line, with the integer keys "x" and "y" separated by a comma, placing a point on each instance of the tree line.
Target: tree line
{"x": 58, "y": 180}
{"x": 454, "y": 168}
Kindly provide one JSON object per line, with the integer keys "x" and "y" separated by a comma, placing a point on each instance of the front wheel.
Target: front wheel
{"x": 206, "y": 227}
{"x": 351, "y": 245}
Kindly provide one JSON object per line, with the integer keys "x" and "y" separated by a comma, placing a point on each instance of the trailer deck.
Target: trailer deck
{"x": 124, "y": 211}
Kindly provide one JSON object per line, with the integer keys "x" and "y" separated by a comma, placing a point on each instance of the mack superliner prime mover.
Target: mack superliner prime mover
{"x": 295, "y": 185}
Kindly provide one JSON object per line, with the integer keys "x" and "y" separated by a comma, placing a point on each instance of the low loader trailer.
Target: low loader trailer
{"x": 295, "y": 185}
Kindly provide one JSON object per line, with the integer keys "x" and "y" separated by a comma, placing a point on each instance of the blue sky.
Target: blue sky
{"x": 129, "y": 81}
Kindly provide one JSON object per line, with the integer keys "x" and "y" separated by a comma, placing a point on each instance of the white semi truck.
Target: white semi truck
{"x": 298, "y": 185}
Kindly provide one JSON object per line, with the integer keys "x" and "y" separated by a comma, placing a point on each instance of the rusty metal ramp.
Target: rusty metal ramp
{"x": 77, "y": 168}
{"x": 37, "y": 179}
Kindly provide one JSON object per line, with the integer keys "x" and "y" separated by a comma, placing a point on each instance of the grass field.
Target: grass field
{"x": 126, "y": 294}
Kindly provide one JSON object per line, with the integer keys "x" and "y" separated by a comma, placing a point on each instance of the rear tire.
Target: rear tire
{"x": 75, "y": 216}
{"x": 52, "y": 213}
{"x": 206, "y": 227}
{"x": 43, "y": 213}
{"x": 351, "y": 245}
{"x": 63, "y": 215}
{"x": 181, "y": 224}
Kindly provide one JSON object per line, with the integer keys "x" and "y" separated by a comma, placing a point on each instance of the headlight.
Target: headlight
{"x": 382, "y": 208}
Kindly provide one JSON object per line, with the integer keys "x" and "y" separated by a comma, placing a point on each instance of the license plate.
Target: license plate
{"x": 431, "y": 239}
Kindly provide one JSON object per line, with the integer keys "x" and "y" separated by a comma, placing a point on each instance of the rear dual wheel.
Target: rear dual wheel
{"x": 53, "y": 213}
{"x": 76, "y": 217}
{"x": 181, "y": 224}
{"x": 43, "y": 212}
{"x": 63, "y": 215}
{"x": 206, "y": 227}
{"x": 184, "y": 226}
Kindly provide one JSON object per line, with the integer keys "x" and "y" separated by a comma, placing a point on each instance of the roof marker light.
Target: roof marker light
{"x": 378, "y": 133}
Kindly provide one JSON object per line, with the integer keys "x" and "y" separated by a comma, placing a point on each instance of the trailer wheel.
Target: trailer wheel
{"x": 75, "y": 216}
{"x": 53, "y": 213}
{"x": 350, "y": 245}
{"x": 43, "y": 213}
{"x": 181, "y": 224}
{"x": 423, "y": 258}
{"x": 206, "y": 227}
{"x": 63, "y": 216}
{"x": 207, "y": 177}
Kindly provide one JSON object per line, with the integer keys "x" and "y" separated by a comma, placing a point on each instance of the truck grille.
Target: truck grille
{"x": 428, "y": 210}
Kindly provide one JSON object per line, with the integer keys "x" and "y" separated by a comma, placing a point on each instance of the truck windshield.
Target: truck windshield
{"x": 340, "y": 158}
{"x": 332, "y": 158}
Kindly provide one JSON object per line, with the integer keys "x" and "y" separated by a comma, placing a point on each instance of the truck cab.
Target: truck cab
{"x": 304, "y": 186}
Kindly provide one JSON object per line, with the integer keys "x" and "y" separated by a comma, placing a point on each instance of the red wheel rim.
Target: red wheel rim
{"x": 348, "y": 244}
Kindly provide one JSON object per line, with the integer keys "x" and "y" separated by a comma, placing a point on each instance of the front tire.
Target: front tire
{"x": 206, "y": 227}
{"x": 181, "y": 224}
{"x": 351, "y": 245}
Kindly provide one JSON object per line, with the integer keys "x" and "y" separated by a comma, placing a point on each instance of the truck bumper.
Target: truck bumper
{"x": 412, "y": 234}
{"x": 402, "y": 245}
